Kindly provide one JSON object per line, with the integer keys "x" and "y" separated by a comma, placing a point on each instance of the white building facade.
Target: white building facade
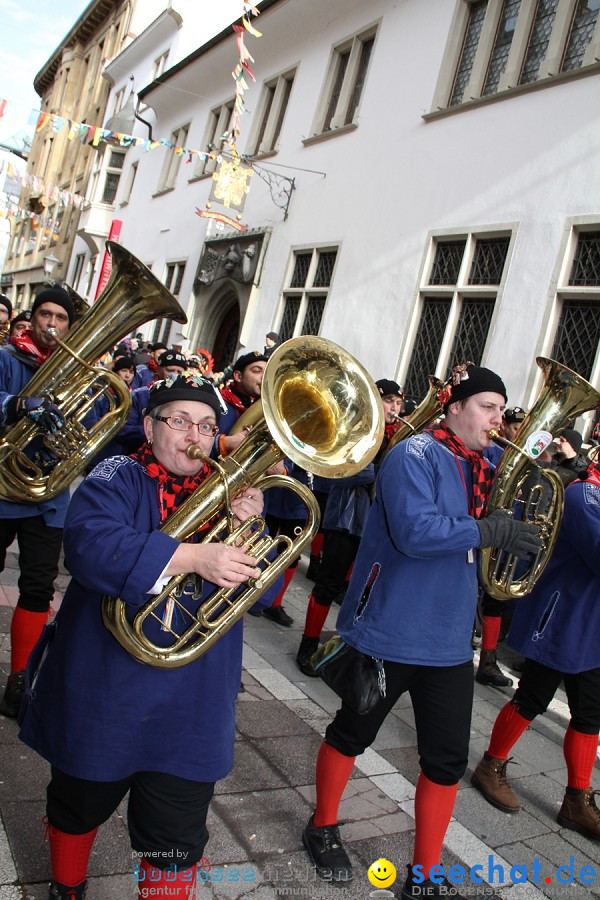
{"x": 445, "y": 157}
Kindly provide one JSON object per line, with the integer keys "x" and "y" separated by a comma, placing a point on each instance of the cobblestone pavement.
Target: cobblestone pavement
{"x": 259, "y": 811}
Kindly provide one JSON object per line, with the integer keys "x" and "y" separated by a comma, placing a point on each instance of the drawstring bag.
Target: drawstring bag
{"x": 358, "y": 679}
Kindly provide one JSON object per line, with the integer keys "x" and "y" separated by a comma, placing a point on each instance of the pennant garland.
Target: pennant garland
{"x": 242, "y": 68}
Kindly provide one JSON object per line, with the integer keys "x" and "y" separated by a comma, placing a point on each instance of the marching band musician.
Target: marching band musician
{"x": 36, "y": 526}
{"x": 557, "y": 628}
{"x": 97, "y": 714}
{"x": 411, "y": 603}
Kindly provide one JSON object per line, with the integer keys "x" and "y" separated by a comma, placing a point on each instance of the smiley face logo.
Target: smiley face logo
{"x": 382, "y": 873}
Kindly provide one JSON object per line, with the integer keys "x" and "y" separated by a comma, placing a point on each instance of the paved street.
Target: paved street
{"x": 259, "y": 811}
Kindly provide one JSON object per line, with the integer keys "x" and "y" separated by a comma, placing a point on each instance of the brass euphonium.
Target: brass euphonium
{"x": 322, "y": 411}
{"x": 521, "y": 484}
{"x": 426, "y": 412}
{"x": 132, "y": 296}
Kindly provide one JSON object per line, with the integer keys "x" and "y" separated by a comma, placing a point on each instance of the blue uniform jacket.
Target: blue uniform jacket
{"x": 15, "y": 374}
{"x": 92, "y": 710}
{"x": 349, "y": 502}
{"x": 558, "y": 623}
{"x": 413, "y": 591}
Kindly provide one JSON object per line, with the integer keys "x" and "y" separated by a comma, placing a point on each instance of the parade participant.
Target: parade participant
{"x": 20, "y": 323}
{"x": 569, "y": 460}
{"x": 346, "y": 511}
{"x": 36, "y": 526}
{"x": 244, "y": 389}
{"x": 156, "y": 350}
{"x": 557, "y": 628}
{"x": 97, "y": 714}
{"x": 411, "y": 603}
{"x": 124, "y": 367}
{"x": 5, "y": 309}
{"x": 488, "y": 670}
{"x": 272, "y": 342}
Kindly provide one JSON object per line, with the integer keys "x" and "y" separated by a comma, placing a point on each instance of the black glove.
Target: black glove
{"x": 500, "y": 530}
{"x": 39, "y": 409}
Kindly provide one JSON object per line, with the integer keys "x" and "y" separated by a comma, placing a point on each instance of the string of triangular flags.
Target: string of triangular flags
{"x": 242, "y": 68}
{"x": 51, "y": 191}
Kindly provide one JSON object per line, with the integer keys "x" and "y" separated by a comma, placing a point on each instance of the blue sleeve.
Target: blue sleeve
{"x": 417, "y": 503}
{"x": 581, "y": 524}
{"x": 105, "y": 551}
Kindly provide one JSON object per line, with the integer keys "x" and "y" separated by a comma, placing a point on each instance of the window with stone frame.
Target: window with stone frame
{"x": 271, "y": 113}
{"x": 462, "y": 279}
{"x": 112, "y": 175}
{"x": 304, "y": 298}
{"x": 173, "y": 158}
{"x": 497, "y": 46}
{"x": 174, "y": 273}
{"x": 576, "y": 341}
{"x": 345, "y": 81}
{"x": 219, "y": 122}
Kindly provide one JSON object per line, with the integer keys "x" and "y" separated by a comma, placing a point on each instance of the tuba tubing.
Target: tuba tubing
{"x": 520, "y": 482}
{"x": 320, "y": 409}
{"x": 426, "y": 412}
{"x": 132, "y": 296}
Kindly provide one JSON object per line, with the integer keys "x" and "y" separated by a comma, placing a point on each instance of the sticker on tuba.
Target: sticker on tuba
{"x": 537, "y": 443}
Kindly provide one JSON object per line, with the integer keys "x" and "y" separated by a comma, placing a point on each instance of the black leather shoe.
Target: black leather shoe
{"x": 429, "y": 890}
{"x": 60, "y": 891}
{"x": 13, "y": 695}
{"x": 278, "y": 615}
{"x": 308, "y": 646}
{"x": 325, "y": 849}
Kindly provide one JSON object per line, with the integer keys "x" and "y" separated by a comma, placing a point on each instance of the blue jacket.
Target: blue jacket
{"x": 558, "y": 623}
{"x": 16, "y": 371}
{"x": 93, "y": 710}
{"x": 413, "y": 591}
{"x": 349, "y": 502}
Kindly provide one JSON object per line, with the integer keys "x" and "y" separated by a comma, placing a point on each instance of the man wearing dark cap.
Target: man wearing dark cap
{"x": 272, "y": 341}
{"x": 36, "y": 526}
{"x": 20, "y": 323}
{"x": 248, "y": 372}
{"x": 156, "y": 350}
{"x": 5, "y": 309}
{"x": 569, "y": 459}
{"x": 392, "y": 399}
{"x": 411, "y": 603}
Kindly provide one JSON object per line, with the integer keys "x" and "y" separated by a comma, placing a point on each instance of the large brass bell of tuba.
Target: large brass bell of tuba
{"x": 321, "y": 410}
{"x": 132, "y": 296}
{"x": 520, "y": 483}
{"x": 426, "y": 412}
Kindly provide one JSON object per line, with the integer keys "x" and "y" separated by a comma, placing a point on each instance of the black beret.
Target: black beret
{"x": 4, "y": 301}
{"x": 172, "y": 358}
{"x": 157, "y": 346}
{"x": 58, "y": 296}
{"x": 386, "y": 387}
{"x": 184, "y": 387}
{"x": 514, "y": 415}
{"x": 24, "y": 316}
{"x": 247, "y": 359}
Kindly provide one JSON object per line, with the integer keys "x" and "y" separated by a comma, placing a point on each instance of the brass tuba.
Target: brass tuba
{"x": 426, "y": 412}
{"x": 321, "y": 410}
{"x": 521, "y": 483}
{"x": 132, "y": 296}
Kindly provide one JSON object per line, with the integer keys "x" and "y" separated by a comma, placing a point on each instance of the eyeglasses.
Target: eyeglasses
{"x": 178, "y": 423}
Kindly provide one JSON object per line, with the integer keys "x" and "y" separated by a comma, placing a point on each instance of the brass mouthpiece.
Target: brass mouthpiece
{"x": 194, "y": 451}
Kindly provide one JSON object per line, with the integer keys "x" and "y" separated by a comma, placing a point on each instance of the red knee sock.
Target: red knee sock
{"x": 315, "y": 618}
{"x": 25, "y": 630}
{"x": 69, "y": 855}
{"x": 433, "y": 810}
{"x": 508, "y": 728}
{"x": 316, "y": 548}
{"x": 162, "y": 883}
{"x": 580, "y": 755}
{"x": 287, "y": 577}
{"x": 333, "y": 773}
{"x": 490, "y": 632}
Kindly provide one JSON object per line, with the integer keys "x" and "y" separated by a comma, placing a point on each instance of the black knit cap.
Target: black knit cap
{"x": 247, "y": 359}
{"x": 575, "y": 438}
{"x": 476, "y": 380}
{"x": 124, "y": 362}
{"x": 58, "y": 296}
{"x": 514, "y": 414}
{"x": 4, "y": 301}
{"x": 184, "y": 387}
{"x": 387, "y": 388}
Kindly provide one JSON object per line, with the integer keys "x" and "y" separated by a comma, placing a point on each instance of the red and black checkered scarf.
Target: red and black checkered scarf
{"x": 172, "y": 489}
{"x": 482, "y": 472}
{"x": 25, "y": 342}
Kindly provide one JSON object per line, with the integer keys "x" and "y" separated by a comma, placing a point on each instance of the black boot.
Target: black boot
{"x": 13, "y": 695}
{"x": 307, "y": 647}
{"x": 60, "y": 891}
{"x": 312, "y": 573}
{"x": 489, "y": 672}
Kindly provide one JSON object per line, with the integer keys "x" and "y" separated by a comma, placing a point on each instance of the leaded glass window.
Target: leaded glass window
{"x": 428, "y": 342}
{"x": 447, "y": 262}
{"x": 539, "y": 40}
{"x": 472, "y": 331}
{"x": 290, "y": 314}
{"x": 313, "y": 316}
{"x": 301, "y": 267}
{"x": 582, "y": 30}
{"x": 325, "y": 269}
{"x": 467, "y": 57}
{"x": 488, "y": 260}
{"x": 586, "y": 263}
{"x": 502, "y": 45}
{"x": 578, "y": 335}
